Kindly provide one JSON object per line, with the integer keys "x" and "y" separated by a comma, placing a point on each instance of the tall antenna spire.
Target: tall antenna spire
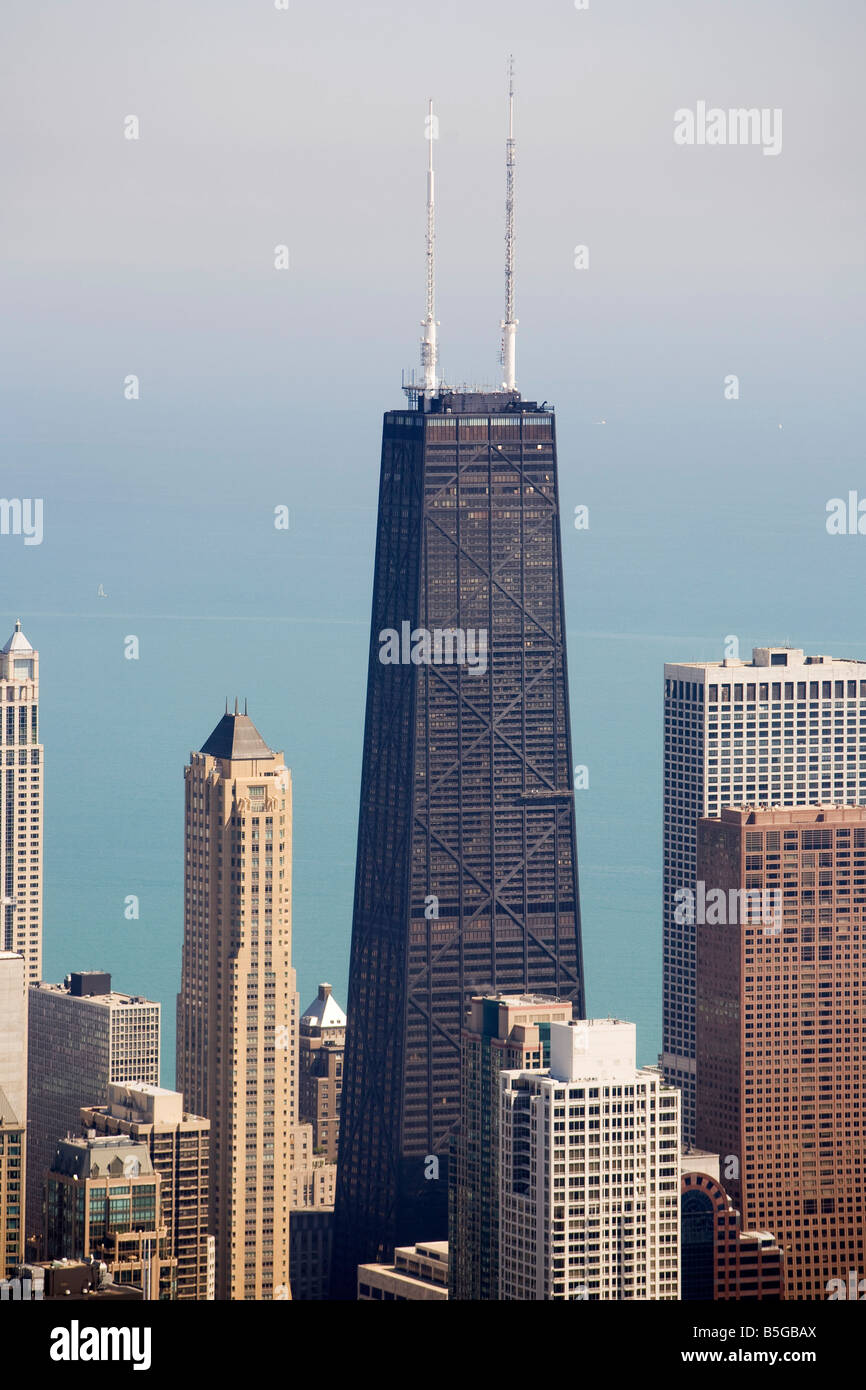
{"x": 428, "y": 340}
{"x": 509, "y": 323}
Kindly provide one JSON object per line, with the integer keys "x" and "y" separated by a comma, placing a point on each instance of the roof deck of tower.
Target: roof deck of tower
{"x": 464, "y": 402}
{"x": 109, "y": 998}
{"x": 85, "y": 1157}
{"x": 469, "y": 400}
{"x": 766, "y": 816}
{"x": 762, "y": 657}
{"x": 500, "y": 419}
{"x": 518, "y": 1001}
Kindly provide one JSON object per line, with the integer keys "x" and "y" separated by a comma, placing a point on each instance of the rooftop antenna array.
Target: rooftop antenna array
{"x": 428, "y": 339}
{"x": 427, "y": 384}
{"x": 509, "y": 323}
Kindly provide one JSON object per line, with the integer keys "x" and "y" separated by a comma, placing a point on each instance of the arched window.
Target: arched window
{"x": 698, "y": 1245}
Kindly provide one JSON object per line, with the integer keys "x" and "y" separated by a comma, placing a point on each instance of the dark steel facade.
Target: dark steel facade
{"x": 466, "y": 876}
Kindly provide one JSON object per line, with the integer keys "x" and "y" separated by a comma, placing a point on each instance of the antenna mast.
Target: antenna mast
{"x": 509, "y": 323}
{"x": 428, "y": 339}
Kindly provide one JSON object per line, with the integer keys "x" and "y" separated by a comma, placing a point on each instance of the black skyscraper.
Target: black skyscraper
{"x": 466, "y": 876}
{"x": 466, "y": 879}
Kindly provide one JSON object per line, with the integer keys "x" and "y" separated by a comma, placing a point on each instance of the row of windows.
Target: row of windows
{"x": 750, "y": 691}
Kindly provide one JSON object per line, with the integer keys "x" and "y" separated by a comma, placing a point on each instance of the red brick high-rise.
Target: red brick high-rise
{"x": 780, "y": 1050}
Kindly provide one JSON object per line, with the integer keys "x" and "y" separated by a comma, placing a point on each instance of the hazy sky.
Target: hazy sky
{"x": 305, "y": 127}
{"x": 260, "y": 127}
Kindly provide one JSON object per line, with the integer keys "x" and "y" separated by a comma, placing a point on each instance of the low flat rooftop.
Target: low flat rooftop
{"x": 46, "y": 987}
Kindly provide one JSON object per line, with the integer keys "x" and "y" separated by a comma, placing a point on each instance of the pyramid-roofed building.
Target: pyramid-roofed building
{"x": 324, "y": 1012}
{"x": 236, "y": 739}
{"x": 17, "y": 642}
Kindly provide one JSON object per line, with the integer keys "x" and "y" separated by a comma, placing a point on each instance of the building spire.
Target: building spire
{"x": 429, "y": 353}
{"x": 509, "y": 323}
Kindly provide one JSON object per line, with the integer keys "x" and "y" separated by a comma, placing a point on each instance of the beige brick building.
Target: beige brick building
{"x": 13, "y": 1105}
{"x": 322, "y": 1043}
{"x": 419, "y": 1274}
{"x": 104, "y": 1200}
{"x": 178, "y": 1146}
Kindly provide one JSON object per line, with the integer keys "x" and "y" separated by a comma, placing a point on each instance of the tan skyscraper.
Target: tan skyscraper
{"x": 21, "y": 804}
{"x": 237, "y": 1007}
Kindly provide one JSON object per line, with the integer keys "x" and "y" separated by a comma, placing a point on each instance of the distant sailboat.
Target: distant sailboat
{"x": 100, "y": 592}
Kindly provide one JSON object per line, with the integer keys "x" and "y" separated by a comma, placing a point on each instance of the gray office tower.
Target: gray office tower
{"x": 82, "y": 1035}
{"x": 466, "y": 873}
{"x": 783, "y": 729}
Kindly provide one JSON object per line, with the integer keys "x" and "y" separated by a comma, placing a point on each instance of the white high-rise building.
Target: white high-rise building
{"x": 783, "y": 729}
{"x": 589, "y": 1188}
{"x": 21, "y": 755}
